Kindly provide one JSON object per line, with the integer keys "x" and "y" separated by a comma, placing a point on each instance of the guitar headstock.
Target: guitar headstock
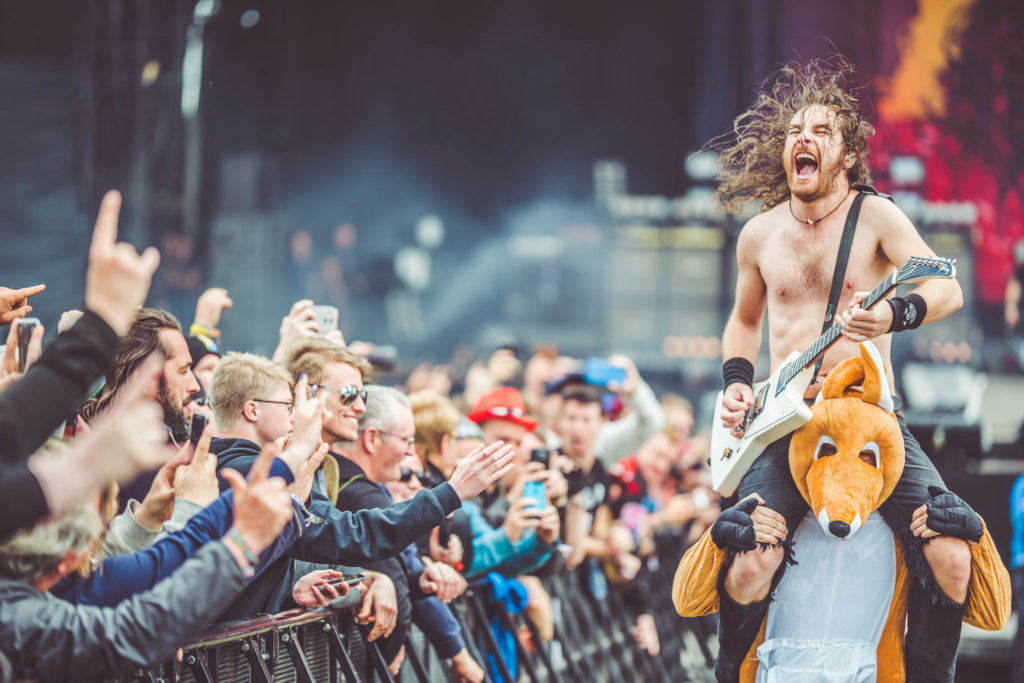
{"x": 918, "y": 268}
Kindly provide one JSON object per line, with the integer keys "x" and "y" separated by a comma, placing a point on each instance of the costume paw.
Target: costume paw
{"x": 734, "y": 529}
{"x": 949, "y": 514}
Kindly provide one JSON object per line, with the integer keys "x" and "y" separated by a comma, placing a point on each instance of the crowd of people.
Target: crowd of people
{"x": 155, "y": 482}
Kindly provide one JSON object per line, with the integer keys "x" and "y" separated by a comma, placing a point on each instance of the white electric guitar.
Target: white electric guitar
{"x": 779, "y": 406}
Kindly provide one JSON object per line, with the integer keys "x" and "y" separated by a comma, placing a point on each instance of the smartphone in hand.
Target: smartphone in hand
{"x": 198, "y": 425}
{"x": 26, "y": 326}
{"x": 537, "y": 491}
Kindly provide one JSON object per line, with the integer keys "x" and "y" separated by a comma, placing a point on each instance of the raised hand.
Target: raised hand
{"x": 522, "y": 515}
{"x": 13, "y": 302}
{"x": 549, "y": 525}
{"x": 211, "y": 306}
{"x": 632, "y": 380}
{"x": 9, "y": 373}
{"x": 306, "y": 473}
{"x": 310, "y": 414}
{"x": 450, "y": 554}
{"x": 68, "y": 319}
{"x": 197, "y": 481}
{"x": 299, "y": 324}
{"x": 482, "y": 467}
{"x": 118, "y": 278}
{"x": 158, "y": 505}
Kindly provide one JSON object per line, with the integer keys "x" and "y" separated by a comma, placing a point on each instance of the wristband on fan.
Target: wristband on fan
{"x": 738, "y": 370}
{"x": 907, "y": 312}
{"x": 197, "y": 330}
{"x": 235, "y": 537}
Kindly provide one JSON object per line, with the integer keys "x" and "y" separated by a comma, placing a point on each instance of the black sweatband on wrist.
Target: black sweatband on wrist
{"x": 907, "y": 312}
{"x": 738, "y": 370}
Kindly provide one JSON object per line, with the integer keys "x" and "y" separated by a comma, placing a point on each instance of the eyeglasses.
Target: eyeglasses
{"x": 410, "y": 441}
{"x": 408, "y": 474}
{"x": 290, "y": 404}
{"x": 347, "y": 393}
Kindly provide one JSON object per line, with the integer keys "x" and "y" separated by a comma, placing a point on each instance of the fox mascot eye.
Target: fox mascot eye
{"x": 826, "y": 447}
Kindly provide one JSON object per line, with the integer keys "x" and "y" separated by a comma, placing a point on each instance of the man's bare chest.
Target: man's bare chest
{"x": 799, "y": 268}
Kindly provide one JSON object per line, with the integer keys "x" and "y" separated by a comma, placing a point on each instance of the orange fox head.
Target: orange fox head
{"x": 847, "y": 459}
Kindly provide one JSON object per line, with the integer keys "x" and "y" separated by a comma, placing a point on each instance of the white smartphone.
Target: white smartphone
{"x": 326, "y": 319}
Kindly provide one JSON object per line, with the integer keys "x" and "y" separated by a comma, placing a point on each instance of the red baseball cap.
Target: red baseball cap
{"x": 503, "y": 403}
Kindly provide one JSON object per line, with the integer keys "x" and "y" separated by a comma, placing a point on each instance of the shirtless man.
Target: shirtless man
{"x": 801, "y": 150}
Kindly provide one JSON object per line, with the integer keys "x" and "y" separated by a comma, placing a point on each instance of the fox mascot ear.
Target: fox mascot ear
{"x": 868, "y": 371}
{"x": 846, "y": 461}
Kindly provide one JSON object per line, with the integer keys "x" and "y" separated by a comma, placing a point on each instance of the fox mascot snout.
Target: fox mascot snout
{"x": 847, "y": 459}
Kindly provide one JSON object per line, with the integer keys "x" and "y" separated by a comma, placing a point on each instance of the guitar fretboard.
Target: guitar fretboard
{"x": 831, "y": 335}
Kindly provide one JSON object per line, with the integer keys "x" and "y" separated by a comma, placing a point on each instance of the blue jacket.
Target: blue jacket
{"x": 493, "y": 551}
{"x": 1017, "y": 522}
{"x": 118, "y": 578}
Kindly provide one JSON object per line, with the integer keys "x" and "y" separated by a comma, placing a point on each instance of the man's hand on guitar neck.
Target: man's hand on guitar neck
{"x": 736, "y": 399}
{"x": 863, "y": 324}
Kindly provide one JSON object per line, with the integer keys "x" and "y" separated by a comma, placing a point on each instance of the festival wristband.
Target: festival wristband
{"x": 235, "y": 537}
{"x": 738, "y": 370}
{"x": 196, "y": 330}
{"x": 907, "y": 312}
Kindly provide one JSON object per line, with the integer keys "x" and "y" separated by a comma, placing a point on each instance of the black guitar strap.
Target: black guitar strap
{"x": 842, "y": 258}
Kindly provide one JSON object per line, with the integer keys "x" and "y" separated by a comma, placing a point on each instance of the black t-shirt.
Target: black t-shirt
{"x": 592, "y": 485}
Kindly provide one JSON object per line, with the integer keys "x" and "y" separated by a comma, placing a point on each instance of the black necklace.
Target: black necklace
{"x": 817, "y": 220}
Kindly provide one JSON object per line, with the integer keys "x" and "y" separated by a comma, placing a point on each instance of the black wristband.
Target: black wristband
{"x": 738, "y": 370}
{"x": 907, "y": 312}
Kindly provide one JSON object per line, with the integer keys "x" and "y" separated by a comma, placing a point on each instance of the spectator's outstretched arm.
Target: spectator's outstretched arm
{"x": 50, "y": 639}
{"x": 622, "y": 438}
{"x": 116, "y": 284}
{"x": 343, "y": 537}
{"x": 51, "y": 390}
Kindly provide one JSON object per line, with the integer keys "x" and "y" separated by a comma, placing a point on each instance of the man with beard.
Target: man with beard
{"x": 801, "y": 150}
{"x": 153, "y": 330}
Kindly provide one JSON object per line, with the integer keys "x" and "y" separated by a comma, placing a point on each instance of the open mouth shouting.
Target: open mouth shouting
{"x": 806, "y": 165}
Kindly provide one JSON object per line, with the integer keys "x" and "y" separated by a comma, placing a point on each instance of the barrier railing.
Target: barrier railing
{"x": 593, "y": 643}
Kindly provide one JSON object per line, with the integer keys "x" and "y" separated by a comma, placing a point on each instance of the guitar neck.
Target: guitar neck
{"x": 832, "y": 334}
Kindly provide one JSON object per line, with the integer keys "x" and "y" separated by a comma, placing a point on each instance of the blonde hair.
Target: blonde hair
{"x": 434, "y": 416}
{"x": 36, "y": 553}
{"x": 238, "y": 378}
{"x": 313, "y": 355}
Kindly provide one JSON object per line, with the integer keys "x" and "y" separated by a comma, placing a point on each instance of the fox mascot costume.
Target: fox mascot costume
{"x": 839, "y": 612}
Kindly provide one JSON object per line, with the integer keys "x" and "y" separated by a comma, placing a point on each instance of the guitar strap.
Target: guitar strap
{"x": 842, "y": 258}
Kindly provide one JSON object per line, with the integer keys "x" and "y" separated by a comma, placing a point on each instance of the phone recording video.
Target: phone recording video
{"x": 26, "y": 326}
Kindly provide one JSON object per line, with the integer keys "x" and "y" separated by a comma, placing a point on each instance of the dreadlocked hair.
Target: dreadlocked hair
{"x": 751, "y": 167}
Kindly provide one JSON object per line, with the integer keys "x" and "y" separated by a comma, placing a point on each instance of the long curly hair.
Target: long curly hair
{"x": 750, "y": 168}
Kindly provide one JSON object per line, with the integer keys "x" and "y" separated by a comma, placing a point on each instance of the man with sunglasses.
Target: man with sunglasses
{"x": 386, "y": 432}
{"x": 252, "y": 405}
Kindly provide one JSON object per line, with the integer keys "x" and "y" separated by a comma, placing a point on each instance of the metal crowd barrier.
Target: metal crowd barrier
{"x": 593, "y": 643}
